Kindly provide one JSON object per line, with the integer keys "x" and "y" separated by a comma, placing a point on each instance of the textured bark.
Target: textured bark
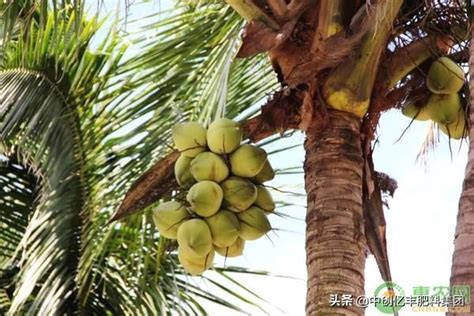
{"x": 335, "y": 243}
{"x": 462, "y": 269}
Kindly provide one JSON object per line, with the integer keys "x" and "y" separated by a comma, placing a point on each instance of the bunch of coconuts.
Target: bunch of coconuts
{"x": 226, "y": 203}
{"x": 445, "y": 78}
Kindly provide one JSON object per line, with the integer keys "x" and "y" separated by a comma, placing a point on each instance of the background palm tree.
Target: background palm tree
{"x": 462, "y": 263}
{"x": 79, "y": 121}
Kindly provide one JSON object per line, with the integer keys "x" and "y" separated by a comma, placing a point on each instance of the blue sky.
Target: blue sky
{"x": 420, "y": 221}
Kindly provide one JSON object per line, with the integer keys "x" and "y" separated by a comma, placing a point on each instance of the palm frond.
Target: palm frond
{"x": 46, "y": 76}
{"x": 42, "y": 128}
{"x": 17, "y": 198}
{"x": 17, "y": 13}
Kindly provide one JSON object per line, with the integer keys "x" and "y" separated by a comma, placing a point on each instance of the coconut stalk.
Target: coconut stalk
{"x": 331, "y": 22}
{"x": 408, "y": 59}
{"x": 350, "y": 85}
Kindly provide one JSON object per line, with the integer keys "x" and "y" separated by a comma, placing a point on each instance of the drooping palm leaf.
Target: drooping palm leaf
{"x": 39, "y": 123}
{"x": 17, "y": 198}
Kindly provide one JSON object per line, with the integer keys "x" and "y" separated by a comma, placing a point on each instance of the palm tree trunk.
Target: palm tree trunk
{"x": 335, "y": 242}
{"x": 462, "y": 269}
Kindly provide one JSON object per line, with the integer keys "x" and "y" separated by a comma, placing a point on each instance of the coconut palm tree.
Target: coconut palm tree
{"x": 73, "y": 123}
{"x": 340, "y": 66}
{"x": 338, "y": 71}
{"x": 462, "y": 268}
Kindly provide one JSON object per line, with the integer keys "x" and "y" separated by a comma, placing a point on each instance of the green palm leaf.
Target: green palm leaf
{"x": 43, "y": 130}
{"x": 16, "y": 199}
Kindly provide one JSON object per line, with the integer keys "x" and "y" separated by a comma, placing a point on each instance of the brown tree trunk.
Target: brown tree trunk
{"x": 462, "y": 269}
{"x": 335, "y": 244}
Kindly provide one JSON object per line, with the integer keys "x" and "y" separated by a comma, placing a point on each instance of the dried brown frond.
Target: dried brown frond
{"x": 279, "y": 114}
{"x": 387, "y": 184}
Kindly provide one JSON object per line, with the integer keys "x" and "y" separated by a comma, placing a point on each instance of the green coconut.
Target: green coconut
{"x": 209, "y": 166}
{"x": 253, "y": 223}
{"x": 194, "y": 237}
{"x": 247, "y": 161}
{"x": 205, "y": 198}
{"x": 234, "y": 250}
{"x": 418, "y": 113}
{"x": 266, "y": 174}
{"x": 224, "y": 136}
{"x": 444, "y": 108}
{"x": 264, "y": 199}
{"x": 195, "y": 265}
{"x": 168, "y": 216}
{"x": 190, "y": 138}
{"x": 445, "y": 77}
{"x": 457, "y": 129}
{"x": 239, "y": 193}
{"x": 182, "y": 173}
{"x": 225, "y": 228}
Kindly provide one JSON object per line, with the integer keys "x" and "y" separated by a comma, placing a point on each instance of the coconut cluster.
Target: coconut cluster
{"x": 445, "y": 78}
{"x": 226, "y": 201}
